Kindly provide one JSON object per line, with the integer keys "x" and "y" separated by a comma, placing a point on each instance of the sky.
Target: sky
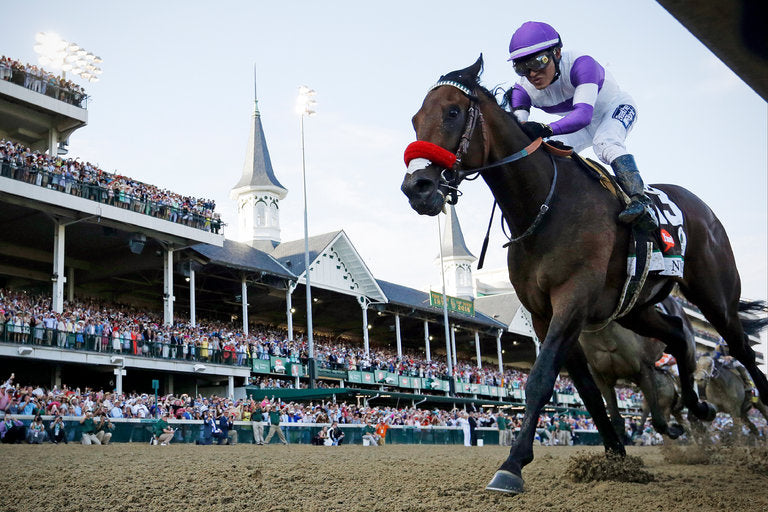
{"x": 174, "y": 102}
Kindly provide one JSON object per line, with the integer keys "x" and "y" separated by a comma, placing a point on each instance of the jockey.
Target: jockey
{"x": 595, "y": 111}
{"x": 667, "y": 362}
{"x": 721, "y": 354}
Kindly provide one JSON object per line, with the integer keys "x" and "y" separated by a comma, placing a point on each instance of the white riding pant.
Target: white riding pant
{"x": 607, "y": 131}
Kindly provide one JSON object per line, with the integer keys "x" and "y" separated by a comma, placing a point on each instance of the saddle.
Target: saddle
{"x": 661, "y": 252}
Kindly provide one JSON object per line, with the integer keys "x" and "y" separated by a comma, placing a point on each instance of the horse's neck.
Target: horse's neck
{"x": 520, "y": 188}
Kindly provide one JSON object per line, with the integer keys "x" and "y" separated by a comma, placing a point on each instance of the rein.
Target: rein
{"x": 543, "y": 209}
{"x": 428, "y": 152}
{"x": 712, "y": 372}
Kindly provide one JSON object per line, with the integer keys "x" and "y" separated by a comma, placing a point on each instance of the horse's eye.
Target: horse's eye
{"x": 452, "y": 113}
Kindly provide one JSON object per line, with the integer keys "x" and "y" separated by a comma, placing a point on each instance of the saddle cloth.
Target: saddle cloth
{"x": 669, "y": 242}
{"x": 668, "y": 255}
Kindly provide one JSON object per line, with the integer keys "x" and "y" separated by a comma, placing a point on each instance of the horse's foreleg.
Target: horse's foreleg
{"x": 751, "y": 426}
{"x": 593, "y": 401}
{"x": 652, "y": 394}
{"x": 563, "y": 332}
{"x": 611, "y": 403}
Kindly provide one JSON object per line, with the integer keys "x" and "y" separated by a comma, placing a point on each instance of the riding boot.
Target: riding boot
{"x": 638, "y": 211}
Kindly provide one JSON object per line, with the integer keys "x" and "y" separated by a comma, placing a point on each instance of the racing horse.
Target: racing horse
{"x": 567, "y": 259}
{"x": 615, "y": 353}
{"x": 727, "y": 391}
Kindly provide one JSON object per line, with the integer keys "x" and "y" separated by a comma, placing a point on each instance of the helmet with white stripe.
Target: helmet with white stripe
{"x": 532, "y": 37}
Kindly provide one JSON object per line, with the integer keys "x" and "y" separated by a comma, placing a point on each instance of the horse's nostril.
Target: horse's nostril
{"x": 423, "y": 186}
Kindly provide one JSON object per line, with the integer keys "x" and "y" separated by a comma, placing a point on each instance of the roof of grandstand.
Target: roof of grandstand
{"x": 410, "y": 297}
{"x": 244, "y": 257}
{"x": 291, "y": 254}
{"x": 501, "y": 307}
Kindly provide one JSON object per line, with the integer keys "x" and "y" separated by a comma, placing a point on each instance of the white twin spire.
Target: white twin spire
{"x": 258, "y": 192}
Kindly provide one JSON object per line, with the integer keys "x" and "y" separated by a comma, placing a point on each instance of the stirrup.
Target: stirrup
{"x": 638, "y": 213}
{"x": 631, "y": 212}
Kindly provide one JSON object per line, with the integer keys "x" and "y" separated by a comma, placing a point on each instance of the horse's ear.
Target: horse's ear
{"x": 477, "y": 68}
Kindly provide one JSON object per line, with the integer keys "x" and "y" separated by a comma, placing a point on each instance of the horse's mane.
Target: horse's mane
{"x": 472, "y": 82}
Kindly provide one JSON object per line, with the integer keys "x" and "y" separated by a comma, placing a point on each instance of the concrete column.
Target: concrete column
{"x": 498, "y": 352}
{"x": 244, "y": 297}
{"x": 119, "y": 372}
{"x": 56, "y": 377}
{"x": 192, "y": 304}
{"x": 58, "y": 267}
{"x": 169, "y": 384}
{"x": 168, "y": 297}
{"x": 71, "y": 284}
{"x": 453, "y": 345}
{"x": 364, "y": 306}
{"x": 426, "y": 340}
{"x": 288, "y": 312}
{"x": 477, "y": 350}
{"x": 231, "y": 387}
{"x": 398, "y": 337}
{"x": 537, "y": 345}
{"x": 53, "y": 142}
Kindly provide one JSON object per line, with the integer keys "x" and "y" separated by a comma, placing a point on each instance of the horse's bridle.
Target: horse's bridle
{"x": 474, "y": 114}
{"x": 451, "y": 182}
{"x": 712, "y": 372}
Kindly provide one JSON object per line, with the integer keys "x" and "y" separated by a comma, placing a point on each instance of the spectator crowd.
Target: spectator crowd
{"x": 89, "y": 181}
{"x": 39, "y": 80}
{"x": 95, "y": 410}
{"x": 104, "y": 327}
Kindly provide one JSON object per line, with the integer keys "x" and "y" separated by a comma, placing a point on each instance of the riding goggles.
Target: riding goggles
{"x": 536, "y": 63}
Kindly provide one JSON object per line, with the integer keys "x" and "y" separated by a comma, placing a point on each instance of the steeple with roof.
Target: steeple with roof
{"x": 258, "y": 193}
{"x": 457, "y": 259}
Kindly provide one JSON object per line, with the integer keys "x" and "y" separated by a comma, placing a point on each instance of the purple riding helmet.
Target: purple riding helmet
{"x": 532, "y": 37}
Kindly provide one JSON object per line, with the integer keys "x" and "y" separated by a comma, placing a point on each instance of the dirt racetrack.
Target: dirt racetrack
{"x": 137, "y": 477}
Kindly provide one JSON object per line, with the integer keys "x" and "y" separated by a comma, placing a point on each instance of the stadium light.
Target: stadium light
{"x": 56, "y": 53}
{"x": 305, "y": 106}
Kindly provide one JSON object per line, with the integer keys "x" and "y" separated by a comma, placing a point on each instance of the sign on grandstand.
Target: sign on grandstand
{"x": 465, "y": 307}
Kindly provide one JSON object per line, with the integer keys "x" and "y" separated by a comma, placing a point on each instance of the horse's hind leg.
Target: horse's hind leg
{"x": 576, "y": 364}
{"x": 650, "y": 322}
{"x": 721, "y": 309}
{"x": 760, "y": 406}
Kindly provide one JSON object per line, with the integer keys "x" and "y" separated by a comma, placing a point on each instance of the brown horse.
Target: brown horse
{"x": 568, "y": 262}
{"x": 726, "y": 389}
{"x": 615, "y": 353}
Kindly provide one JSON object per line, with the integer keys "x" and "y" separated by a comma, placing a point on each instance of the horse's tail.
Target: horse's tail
{"x": 751, "y": 314}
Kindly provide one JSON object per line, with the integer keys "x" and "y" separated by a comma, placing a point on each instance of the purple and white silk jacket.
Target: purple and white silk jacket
{"x": 583, "y": 92}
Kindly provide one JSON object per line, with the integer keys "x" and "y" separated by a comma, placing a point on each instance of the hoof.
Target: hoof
{"x": 674, "y": 430}
{"x": 707, "y": 411}
{"x": 504, "y": 481}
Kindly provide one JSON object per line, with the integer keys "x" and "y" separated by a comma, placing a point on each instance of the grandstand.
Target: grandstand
{"x": 71, "y": 245}
{"x": 84, "y": 250}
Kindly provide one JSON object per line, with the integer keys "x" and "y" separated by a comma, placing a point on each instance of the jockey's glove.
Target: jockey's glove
{"x": 535, "y": 130}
